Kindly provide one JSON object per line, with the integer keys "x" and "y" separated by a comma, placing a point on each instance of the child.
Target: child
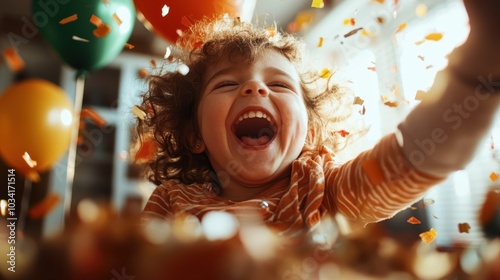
{"x": 246, "y": 128}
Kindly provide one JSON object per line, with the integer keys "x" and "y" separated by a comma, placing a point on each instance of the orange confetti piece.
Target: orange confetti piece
{"x": 94, "y": 116}
{"x": 14, "y": 61}
{"x": 429, "y": 66}
{"x": 153, "y": 63}
{"x": 69, "y": 19}
{"x": 325, "y": 73}
{"x": 401, "y": 27}
{"x": 493, "y": 176}
{"x": 373, "y": 171}
{"x": 463, "y": 227}
{"x": 146, "y": 151}
{"x": 349, "y": 21}
{"x": 372, "y": 68}
{"x": 317, "y": 4}
{"x": 352, "y": 32}
{"x": 434, "y": 37}
{"x": 421, "y": 57}
{"x": 379, "y": 1}
{"x": 358, "y": 100}
{"x": 31, "y": 163}
{"x": 142, "y": 73}
{"x": 380, "y": 20}
{"x": 44, "y": 207}
{"x": 95, "y": 20}
{"x": 391, "y": 103}
{"x": 117, "y": 19}
{"x": 129, "y": 46}
{"x": 102, "y": 31}
{"x": 320, "y": 42}
{"x": 362, "y": 111}
{"x": 414, "y": 221}
{"x": 343, "y": 133}
{"x": 413, "y": 208}
{"x": 428, "y": 236}
{"x": 418, "y": 43}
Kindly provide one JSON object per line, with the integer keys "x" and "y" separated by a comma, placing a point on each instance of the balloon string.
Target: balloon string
{"x": 70, "y": 170}
{"x": 25, "y": 201}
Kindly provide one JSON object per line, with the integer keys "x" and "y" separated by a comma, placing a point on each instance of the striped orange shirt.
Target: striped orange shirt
{"x": 374, "y": 186}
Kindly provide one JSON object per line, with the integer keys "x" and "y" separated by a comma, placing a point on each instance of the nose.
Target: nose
{"x": 254, "y": 87}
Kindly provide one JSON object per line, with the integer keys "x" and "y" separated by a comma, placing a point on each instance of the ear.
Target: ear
{"x": 197, "y": 146}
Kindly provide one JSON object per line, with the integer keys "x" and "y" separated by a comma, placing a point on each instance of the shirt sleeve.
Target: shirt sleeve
{"x": 158, "y": 205}
{"x": 375, "y": 185}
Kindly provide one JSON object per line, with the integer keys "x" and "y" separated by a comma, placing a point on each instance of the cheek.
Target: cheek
{"x": 211, "y": 116}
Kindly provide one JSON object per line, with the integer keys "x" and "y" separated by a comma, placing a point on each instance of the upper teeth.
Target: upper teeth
{"x": 254, "y": 114}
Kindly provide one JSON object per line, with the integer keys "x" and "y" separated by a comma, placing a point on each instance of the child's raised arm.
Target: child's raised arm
{"x": 438, "y": 137}
{"x": 442, "y": 133}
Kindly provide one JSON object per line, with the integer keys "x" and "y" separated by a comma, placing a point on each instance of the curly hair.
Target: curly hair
{"x": 172, "y": 98}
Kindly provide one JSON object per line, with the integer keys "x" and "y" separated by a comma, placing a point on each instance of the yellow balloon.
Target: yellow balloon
{"x": 36, "y": 119}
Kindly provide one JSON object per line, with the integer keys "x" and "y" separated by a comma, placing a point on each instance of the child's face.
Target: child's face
{"x": 253, "y": 119}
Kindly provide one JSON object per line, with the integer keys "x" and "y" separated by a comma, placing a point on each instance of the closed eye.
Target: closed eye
{"x": 280, "y": 84}
{"x": 225, "y": 84}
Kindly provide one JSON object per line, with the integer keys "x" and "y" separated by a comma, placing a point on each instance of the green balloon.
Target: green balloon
{"x": 87, "y": 34}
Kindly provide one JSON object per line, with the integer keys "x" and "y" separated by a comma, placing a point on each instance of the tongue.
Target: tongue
{"x": 255, "y": 141}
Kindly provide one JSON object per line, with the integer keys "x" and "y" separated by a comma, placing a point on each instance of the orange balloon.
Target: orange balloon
{"x": 36, "y": 118}
{"x": 166, "y": 17}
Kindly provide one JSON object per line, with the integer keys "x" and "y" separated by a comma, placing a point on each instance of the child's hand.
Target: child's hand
{"x": 481, "y": 51}
{"x": 484, "y": 19}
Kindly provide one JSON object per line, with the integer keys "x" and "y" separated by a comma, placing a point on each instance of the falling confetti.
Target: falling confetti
{"x": 463, "y": 227}
{"x": 44, "y": 207}
{"x": 317, "y": 4}
{"x": 320, "y": 42}
{"x": 372, "y": 68}
{"x": 101, "y": 31}
{"x": 421, "y": 10}
{"x": 429, "y": 201}
{"x": 325, "y": 73}
{"x": 349, "y": 21}
{"x": 14, "y": 61}
{"x": 358, "y": 100}
{"x": 435, "y": 217}
{"x": 428, "y": 236}
{"x": 434, "y": 37}
{"x": 493, "y": 176}
{"x": 142, "y": 73}
{"x": 414, "y": 221}
{"x": 80, "y": 39}
{"x": 31, "y": 163}
{"x": 401, "y": 27}
{"x": 129, "y": 46}
{"x": 183, "y": 69}
{"x": 421, "y": 57}
{"x": 95, "y": 20}
{"x": 164, "y": 10}
{"x": 94, "y": 116}
{"x": 117, "y": 19}
{"x": 138, "y": 112}
{"x": 352, "y": 32}
{"x": 343, "y": 133}
{"x": 69, "y": 19}
{"x": 168, "y": 51}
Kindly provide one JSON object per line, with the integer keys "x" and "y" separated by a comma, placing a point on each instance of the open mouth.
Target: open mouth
{"x": 254, "y": 128}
